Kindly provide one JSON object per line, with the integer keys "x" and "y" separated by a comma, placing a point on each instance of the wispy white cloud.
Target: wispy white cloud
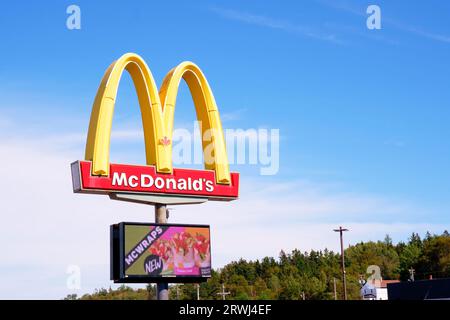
{"x": 362, "y": 32}
{"x": 47, "y": 227}
{"x": 233, "y": 115}
{"x": 419, "y": 31}
{"x": 361, "y": 11}
{"x": 344, "y": 6}
{"x": 282, "y": 25}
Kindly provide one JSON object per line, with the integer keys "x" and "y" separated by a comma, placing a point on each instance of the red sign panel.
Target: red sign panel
{"x": 125, "y": 178}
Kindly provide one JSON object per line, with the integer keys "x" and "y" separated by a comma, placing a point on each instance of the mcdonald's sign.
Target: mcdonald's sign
{"x": 96, "y": 174}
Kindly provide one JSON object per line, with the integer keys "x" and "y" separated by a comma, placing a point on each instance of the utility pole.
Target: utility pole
{"x": 411, "y": 274}
{"x": 198, "y": 291}
{"x": 223, "y": 293}
{"x": 334, "y": 287}
{"x": 344, "y": 280}
{"x": 162, "y": 288}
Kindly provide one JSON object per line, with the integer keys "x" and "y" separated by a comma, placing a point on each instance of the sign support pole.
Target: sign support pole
{"x": 162, "y": 288}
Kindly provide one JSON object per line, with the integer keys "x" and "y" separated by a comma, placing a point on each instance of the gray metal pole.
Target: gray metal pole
{"x": 162, "y": 288}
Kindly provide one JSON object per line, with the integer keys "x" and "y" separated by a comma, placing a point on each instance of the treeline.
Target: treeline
{"x": 310, "y": 275}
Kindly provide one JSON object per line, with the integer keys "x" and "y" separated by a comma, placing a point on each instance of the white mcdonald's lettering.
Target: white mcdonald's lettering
{"x": 147, "y": 181}
{"x": 133, "y": 181}
{"x": 159, "y": 183}
{"x": 144, "y": 178}
{"x": 119, "y": 180}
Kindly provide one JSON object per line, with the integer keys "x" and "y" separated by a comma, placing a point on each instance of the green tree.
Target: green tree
{"x": 409, "y": 257}
{"x": 311, "y": 273}
{"x": 435, "y": 258}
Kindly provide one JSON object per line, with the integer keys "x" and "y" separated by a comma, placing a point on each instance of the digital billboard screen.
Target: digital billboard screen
{"x": 160, "y": 252}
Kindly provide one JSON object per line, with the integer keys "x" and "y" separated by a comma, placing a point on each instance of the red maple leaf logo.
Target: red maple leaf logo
{"x": 164, "y": 141}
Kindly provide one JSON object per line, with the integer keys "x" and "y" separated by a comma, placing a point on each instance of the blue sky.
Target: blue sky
{"x": 363, "y": 114}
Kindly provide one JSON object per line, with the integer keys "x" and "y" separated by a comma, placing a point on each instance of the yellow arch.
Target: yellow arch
{"x": 157, "y": 111}
{"x": 214, "y": 149}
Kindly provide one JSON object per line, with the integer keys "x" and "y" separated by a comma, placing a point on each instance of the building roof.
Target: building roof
{"x": 383, "y": 283}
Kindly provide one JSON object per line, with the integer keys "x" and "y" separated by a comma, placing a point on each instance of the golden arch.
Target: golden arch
{"x": 157, "y": 111}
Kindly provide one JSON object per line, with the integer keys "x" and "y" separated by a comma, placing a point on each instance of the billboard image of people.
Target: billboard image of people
{"x": 154, "y": 250}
